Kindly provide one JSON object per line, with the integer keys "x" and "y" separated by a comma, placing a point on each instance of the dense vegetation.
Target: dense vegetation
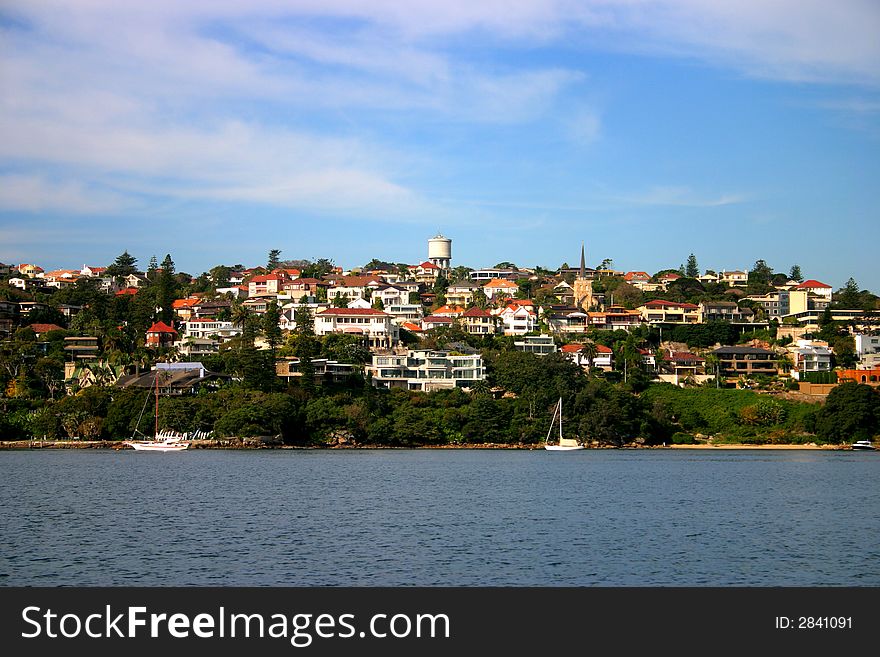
{"x": 513, "y": 406}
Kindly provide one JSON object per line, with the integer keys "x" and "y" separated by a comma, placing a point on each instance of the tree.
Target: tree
{"x": 851, "y": 412}
{"x": 220, "y": 275}
{"x": 849, "y": 296}
{"x": 274, "y": 260}
{"x": 153, "y": 268}
{"x": 122, "y": 266}
{"x": 589, "y": 352}
{"x": 271, "y": 329}
{"x": 761, "y": 273}
{"x": 606, "y": 264}
{"x": 166, "y": 289}
{"x": 306, "y": 346}
{"x": 692, "y": 270}
{"x": 795, "y": 274}
{"x": 340, "y": 300}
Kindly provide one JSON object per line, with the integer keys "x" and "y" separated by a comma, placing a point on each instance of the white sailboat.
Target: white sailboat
{"x": 165, "y": 441}
{"x": 564, "y": 444}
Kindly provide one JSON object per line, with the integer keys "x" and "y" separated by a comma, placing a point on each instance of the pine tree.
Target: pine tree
{"x": 123, "y": 265}
{"x": 270, "y": 327}
{"x": 692, "y": 270}
{"x": 795, "y": 274}
{"x": 274, "y": 260}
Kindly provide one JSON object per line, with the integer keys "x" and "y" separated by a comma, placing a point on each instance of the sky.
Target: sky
{"x": 647, "y": 130}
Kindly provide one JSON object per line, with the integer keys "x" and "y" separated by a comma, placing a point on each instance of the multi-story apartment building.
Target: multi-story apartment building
{"x": 426, "y": 369}
{"x": 728, "y": 311}
{"x": 540, "y": 345}
{"x": 669, "y": 312}
{"x": 745, "y": 361}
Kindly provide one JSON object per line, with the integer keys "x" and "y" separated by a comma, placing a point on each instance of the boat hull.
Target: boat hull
{"x": 867, "y": 448}
{"x": 563, "y": 448}
{"x": 157, "y": 447}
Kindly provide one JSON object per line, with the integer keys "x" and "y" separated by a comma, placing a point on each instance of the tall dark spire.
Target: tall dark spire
{"x": 583, "y": 263}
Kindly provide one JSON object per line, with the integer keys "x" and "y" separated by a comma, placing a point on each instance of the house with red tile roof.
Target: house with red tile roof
{"x": 604, "y": 358}
{"x": 477, "y": 321}
{"x": 813, "y": 286}
{"x": 426, "y": 272}
{"x": 517, "y": 320}
{"x": 160, "y": 335}
{"x": 266, "y": 285}
{"x": 376, "y": 327}
{"x": 500, "y": 288}
{"x": 40, "y": 329}
{"x": 448, "y": 311}
{"x": 127, "y": 291}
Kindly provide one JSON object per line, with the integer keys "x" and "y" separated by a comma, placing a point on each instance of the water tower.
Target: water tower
{"x": 440, "y": 251}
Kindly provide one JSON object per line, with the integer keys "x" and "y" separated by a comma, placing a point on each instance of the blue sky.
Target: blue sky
{"x": 649, "y": 130}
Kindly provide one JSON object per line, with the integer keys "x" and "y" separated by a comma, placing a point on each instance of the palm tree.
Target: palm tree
{"x": 241, "y": 314}
{"x": 589, "y": 352}
{"x": 714, "y": 363}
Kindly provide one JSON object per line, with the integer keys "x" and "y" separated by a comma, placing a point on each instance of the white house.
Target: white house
{"x": 376, "y": 326}
{"x": 815, "y": 287}
{"x": 517, "y": 320}
{"x": 603, "y": 358}
{"x": 868, "y": 351}
{"x": 810, "y": 356}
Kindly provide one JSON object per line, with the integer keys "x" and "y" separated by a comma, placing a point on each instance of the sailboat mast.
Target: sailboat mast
{"x": 560, "y": 420}
{"x": 157, "y": 403}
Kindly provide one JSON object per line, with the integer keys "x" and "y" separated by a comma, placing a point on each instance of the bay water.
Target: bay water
{"x": 427, "y": 517}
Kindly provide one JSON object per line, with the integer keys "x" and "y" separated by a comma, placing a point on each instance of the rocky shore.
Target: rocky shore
{"x": 274, "y": 442}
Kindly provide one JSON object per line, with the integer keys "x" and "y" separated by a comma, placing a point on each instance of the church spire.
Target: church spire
{"x": 583, "y": 263}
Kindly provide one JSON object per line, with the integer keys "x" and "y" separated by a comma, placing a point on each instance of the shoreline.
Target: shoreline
{"x": 257, "y": 443}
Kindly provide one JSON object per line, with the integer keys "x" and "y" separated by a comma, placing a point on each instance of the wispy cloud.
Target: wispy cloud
{"x": 681, "y": 196}
{"x": 29, "y": 193}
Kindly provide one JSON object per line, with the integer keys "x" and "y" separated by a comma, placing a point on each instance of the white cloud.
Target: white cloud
{"x": 30, "y": 193}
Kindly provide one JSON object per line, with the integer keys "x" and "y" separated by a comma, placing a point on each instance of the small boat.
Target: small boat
{"x": 163, "y": 441}
{"x": 863, "y": 444}
{"x": 161, "y": 444}
{"x": 563, "y": 444}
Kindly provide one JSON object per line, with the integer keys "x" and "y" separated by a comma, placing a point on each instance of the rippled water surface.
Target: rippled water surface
{"x": 440, "y": 517}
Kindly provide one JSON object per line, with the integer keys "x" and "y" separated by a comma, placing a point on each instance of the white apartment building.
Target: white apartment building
{"x": 426, "y": 370}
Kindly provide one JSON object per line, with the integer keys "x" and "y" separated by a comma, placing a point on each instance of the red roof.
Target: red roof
{"x": 352, "y": 311}
{"x": 812, "y": 283}
{"x": 575, "y": 348}
{"x": 636, "y": 274}
{"x": 409, "y": 326}
{"x": 660, "y": 303}
{"x": 476, "y": 312}
{"x": 266, "y": 277}
{"x": 500, "y": 282}
{"x": 184, "y": 303}
{"x": 45, "y": 328}
{"x": 127, "y": 290}
{"x": 434, "y": 319}
{"x": 161, "y": 327}
{"x": 684, "y": 355}
{"x": 308, "y": 281}
{"x": 670, "y": 276}
{"x": 428, "y": 265}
